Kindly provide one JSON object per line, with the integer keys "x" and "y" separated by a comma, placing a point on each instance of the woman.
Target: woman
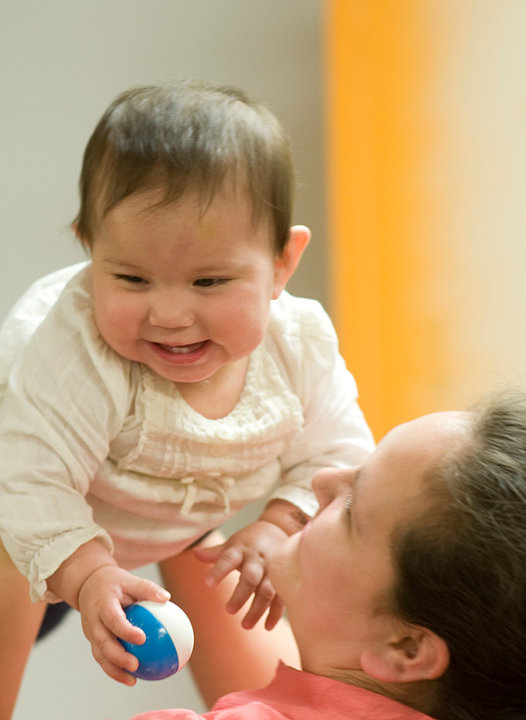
{"x": 407, "y": 592}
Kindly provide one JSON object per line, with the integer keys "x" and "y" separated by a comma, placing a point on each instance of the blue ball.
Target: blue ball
{"x": 169, "y": 639}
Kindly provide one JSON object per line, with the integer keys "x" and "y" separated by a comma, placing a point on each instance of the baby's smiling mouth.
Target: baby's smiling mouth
{"x": 182, "y": 349}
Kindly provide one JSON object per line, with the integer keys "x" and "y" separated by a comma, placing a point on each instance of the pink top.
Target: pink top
{"x": 298, "y": 695}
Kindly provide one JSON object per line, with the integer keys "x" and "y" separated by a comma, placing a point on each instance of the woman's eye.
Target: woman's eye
{"x": 347, "y": 506}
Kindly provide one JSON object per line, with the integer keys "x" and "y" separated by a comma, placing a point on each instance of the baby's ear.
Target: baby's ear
{"x": 85, "y": 244}
{"x": 418, "y": 654}
{"x": 287, "y": 262}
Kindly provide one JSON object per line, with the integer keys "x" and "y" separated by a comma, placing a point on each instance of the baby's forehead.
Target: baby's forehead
{"x": 150, "y": 201}
{"x": 151, "y": 213}
{"x": 165, "y": 190}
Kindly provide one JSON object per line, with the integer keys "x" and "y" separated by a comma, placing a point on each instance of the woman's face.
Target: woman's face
{"x": 335, "y": 576}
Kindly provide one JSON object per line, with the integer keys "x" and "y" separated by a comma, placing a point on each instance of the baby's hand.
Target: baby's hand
{"x": 248, "y": 551}
{"x": 101, "y": 598}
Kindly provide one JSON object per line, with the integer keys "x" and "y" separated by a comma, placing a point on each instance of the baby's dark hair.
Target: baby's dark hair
{"x": 461, "y": 567}
{"x": 187, "y": 137}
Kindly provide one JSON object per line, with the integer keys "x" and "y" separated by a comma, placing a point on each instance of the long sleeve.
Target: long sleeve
{"x": 334, "y": 432}
{"x": 27, "y": 314}
{"x": 57, "y": 418}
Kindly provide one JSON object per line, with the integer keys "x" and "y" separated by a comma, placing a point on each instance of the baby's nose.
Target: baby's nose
{"x": 170, "y": 311}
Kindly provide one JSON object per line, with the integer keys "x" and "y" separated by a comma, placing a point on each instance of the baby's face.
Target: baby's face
{"x": 184, "y": 292}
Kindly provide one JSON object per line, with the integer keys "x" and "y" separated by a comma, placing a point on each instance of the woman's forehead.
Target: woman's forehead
{"x": 428, "y": 433}
{"x": 409, "y": 451}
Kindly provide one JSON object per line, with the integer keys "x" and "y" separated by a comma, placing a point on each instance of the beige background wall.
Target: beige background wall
{"x": 61, "y": 63}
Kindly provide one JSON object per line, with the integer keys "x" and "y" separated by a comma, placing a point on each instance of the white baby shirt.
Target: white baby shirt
{"x": 96, "y": 446}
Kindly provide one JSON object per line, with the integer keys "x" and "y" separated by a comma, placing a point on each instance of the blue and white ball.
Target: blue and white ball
{"x": 169, "y": 639}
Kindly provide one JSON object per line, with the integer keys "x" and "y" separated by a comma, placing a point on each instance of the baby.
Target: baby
{"x": 154, "y": 391}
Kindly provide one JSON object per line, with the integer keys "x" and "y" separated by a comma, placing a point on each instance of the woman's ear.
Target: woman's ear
{"x": 286, "y": 263}
{"x": 418, "y": 654}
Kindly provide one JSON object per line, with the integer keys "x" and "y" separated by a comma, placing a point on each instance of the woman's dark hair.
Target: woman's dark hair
{"x": 187, "y": 137}
{"x": 461, "y": 567}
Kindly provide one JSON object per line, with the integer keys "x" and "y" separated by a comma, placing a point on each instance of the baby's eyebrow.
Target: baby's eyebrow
{"x": 121, "y": 262}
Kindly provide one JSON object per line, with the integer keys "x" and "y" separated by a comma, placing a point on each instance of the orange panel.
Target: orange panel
{"x": 378, "y": 64}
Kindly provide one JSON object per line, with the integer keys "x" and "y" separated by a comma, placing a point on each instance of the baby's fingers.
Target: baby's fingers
{"x": 230, "y": 559}
{"x": 250, "y": 581}
{"x": 113, "y": 658}
{"x": 263, "y": 598}
{"x": 118, "y": 625}
{"x": 275, "y": 613}
{"x": 139, "y": 588}
{"x": 208, "y": 555}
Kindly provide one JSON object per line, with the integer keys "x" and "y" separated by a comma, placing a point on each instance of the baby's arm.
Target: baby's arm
{"x": 91, "y": 581}
{"x": 248, "y": 551}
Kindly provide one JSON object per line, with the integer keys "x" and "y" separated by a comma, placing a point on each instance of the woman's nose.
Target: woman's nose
{"x": 329, "y": 483}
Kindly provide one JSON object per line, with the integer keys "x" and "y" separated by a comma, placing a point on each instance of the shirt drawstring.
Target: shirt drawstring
{"x": 214, "y": 481}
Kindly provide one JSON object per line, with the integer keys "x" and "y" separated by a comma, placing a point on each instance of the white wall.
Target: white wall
{"x": 61, "y": 63}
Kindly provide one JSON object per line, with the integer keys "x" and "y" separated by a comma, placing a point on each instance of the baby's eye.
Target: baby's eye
{"x": 131, "y": 279}
{"x": 209, "y": 282}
